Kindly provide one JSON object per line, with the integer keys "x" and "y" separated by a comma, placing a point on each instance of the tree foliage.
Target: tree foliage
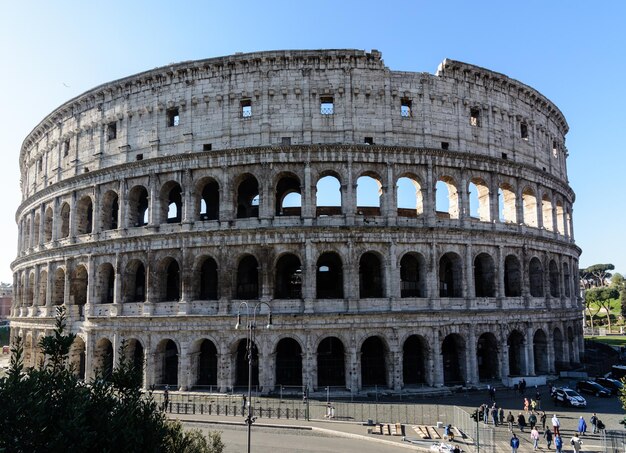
{"x": 601, "y": 298}
{"x": 595, "y": 276}
{"x": 51, "y": 410}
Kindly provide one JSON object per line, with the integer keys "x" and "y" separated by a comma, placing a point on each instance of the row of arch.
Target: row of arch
{"x": 456, "y": 358}
{"x": 136, "y": 280}
{"x": 474, "y": 199}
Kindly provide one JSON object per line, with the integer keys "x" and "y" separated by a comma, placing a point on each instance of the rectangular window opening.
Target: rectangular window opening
{"x": 66, "y": 148}
{"x": 40, "y": 164}
{"x": 445, "y": 145}
{"x": 524, "y": 131}
{"x": 207, "y": 147}
{"x": 405, "y": 108}
{"x": 111, "y": 131}
{"x": 173, "y": 117}
{"x": 369, "y": 140}
{"x": 246, "y": 108}
{"x": 505, "y": 156}
{"x": 139, "y": 157}
{"x": 327, "y": 105}
{"x": 475, "y": 117}
{"x": 285, "y": 141}
{"x": 554, "y": 149}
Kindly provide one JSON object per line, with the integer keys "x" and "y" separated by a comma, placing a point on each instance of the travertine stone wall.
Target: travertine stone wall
{"x": 465, "y": 295}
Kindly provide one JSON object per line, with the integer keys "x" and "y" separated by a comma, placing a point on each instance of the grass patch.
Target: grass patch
{"x": 612, "y": 340}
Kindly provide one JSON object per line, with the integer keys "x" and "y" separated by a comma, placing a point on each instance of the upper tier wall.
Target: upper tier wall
{"x": 265, "y": 98}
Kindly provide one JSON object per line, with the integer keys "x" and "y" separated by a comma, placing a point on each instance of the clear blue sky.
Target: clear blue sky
{"x": 574, "y": 52}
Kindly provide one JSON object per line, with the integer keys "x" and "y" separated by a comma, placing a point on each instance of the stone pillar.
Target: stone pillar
{"x": 392, "y": 274}
{"x": 96, "y": 211}
{"x": 92, "y": 287}
{"x": 397, "y": 369}
{"x": 390, "y": 198}
{"x": 117, "y": 287}
{"x": 550, "y": 351}
{"x": 500, "y": 288}
{"x": 189, "y": 208}
{"x": 151, "y": 358}
{"x": 309, "y": 275}
{"x": 464, "y": 206}
{"x": 433, "y": 277}
{"x": 437, "y": 360}
{"x": 494, "y": 207}
{"x": 468, "y": 273}
{"x": 266, "y": 196}
{"x": 31, "y": 227}
{"x": 66, "y": 285}
{"x": 36, "y": 301}
{"x": 90, "y": 349}
{"x": 504, "y": 357}
{"x": 154, "y": 201}
{"x": 429, "y": 196}
{"x": 42, "y": 222}
{"x": 353, "y": 368}
{"x": 116, "y": 348}
{"x": 530, "y": 353}
{"x": 348, "y": 198}
{"x": 308, "y": 191}
{"x": 223, "y": 374}
{"x": 471, "y": 358}
{"x": 122, "y": 202}
{"x": 184, "y": 367}
{"x": 72, "y": 220}
{"x": 186, "y": 282}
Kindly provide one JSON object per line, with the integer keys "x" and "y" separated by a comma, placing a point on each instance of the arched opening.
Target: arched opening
{"x": 529, "y": 203}
{"x": 207, "y": 364}
{"x": 248, "y": 198}
{"x": 288, "y": 196}
{"x": 412, "y": 276}
{"x": 103, "y": 359}
{"x": 58, "y": 287}
{"x": 30, "y": 289}
{"x": 248, "y": 278}
{"x": 171, "y": 203}
{"x": 328, "y": 196}
{"x": 446, "y": 198}
{"x": 135, "y": 282}
{"x": 331, "y": 369}
{"x": 47, "y": 225}
{"x": 65, "y": 221}
{"x": 409, "y": 197}
{"x": 207, "y": 279}
{"x": 559, "y": 359}
{"x": 106, "y": 283}
{"x": 167, "y": 361}
{"x": 450, "y": 275}
{"x": 368, "y": 193}
{"x": 84, "y": 216}
{"x": 171, "y": 291}
{"x": 329, "y": 276}
{"x": 373, "y": 363}
{"x": 506, "y": 204}
{"x": 77, "y": 358}
{"x": 484, "y": 276}
{"x": 487, "y": 357}
{"x": 555, "y": 279}
{"x": 540, "y": 350}
{"x": 535, "y": 276}
{"x": 570, "y": 344}
{"x": 138, "y": 207}
{"x": 135, "y": 353}
{"x": 370, "y": 276}
{"x": 25, "y": 234}
{"x": 288, "y": 280}
{"x": 453, "y": 352}
{"x": 288, "y": 362}
{"x": 242, "y": 364}
{"x": 546, "y": 210}
{"x": 209, "y": 199}
{"x": 517, "y": 360}
{"x": 512, "y": 277}
{"x": 78, "y": 286}
{"x": 36, "y": 230}
{"x": 414, "y": 356}
{"x": 560, "y": 218}
{"x": 109, "y": 214}
{"x": 479, "y": 200}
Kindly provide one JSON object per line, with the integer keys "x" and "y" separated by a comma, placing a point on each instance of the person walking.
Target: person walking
{"x": 542, "y": 418}
{"x": 594, "y": 423}
{"x": 521, "y": 421}
{"x": 501, "y": 416}
{"x": 556, "y": 424}
{"x": 534, "y": 437}
{"x": 576, "y": 443}
{"x": 510, "y": 419}
{"x": 547, "y": 435}
{"x": 532, "y": 420}
{"x": 558, "y": 443}
{"x": 526, "y": 404}
{"x": 486, "y": 414}
{"x": 514, "y": 444}
{"x": 166, "y": 398}
{"x": 494, "y": 414}
{"x": 582, "y": 426}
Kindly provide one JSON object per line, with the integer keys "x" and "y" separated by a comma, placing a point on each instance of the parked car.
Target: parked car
{"x": 567, "y": 396}
{"x": 592, "y": 388}
{"x": 612, "y": 384}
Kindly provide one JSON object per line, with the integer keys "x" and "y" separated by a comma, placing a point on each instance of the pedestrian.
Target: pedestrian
{"x": 526, "y": 404}
{"x": 492, "y": 393}
{"x": 501, "y": 416}
{"x": 486, "y": 414}
{"x": 532, "y": 420}
{"x": 494, "y": 414}
{"x": 576, "y": 443}
{"x": 534, "y": 437}
{"x": 542, "y": 418}
{"x": 582, "y": 426}
{"x": 600, "y": 426}
{"x": 556, "y": 424}
{"x": 166, "y": 397}
{"x": 594, "y": 423}
{"x": 558, "y": 443}
{"x": 510, "y": 419}
{"x": 456, "y": 449}
{"x": 547, "y": 435}
{"x": 514, "y": 444}
{"x": 244, "y": 399}
{"x": 521, "y": 421}
{"x": 537, "y": 394}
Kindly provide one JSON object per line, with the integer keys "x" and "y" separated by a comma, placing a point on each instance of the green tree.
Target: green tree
{"x": 601, "y": 297}
{"x": 50, "y": 410}
{"x": 595, "y": 276}
{"x": 617, "y": 280}
{"x": 622, "y": 299}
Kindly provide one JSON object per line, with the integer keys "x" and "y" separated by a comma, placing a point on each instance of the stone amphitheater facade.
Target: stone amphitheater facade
{"x": 405, "y": 229}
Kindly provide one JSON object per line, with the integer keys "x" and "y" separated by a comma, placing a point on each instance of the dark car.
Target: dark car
{"x": 568, "y": 397}
{"x": 593, "y": 388}
{"x": 611, "y": 384}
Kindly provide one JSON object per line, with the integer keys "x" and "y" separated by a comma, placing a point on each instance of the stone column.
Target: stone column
{"x": 118, "y": 297}
{"x": 429, "y": 196}
{"x": 154, "y": 202}
{"x": 504, "y": 357}
{"x": 390, "y": 198}
{"x": 42, "y": 222}
{"x": 122, "y": 202}
{"x": 309, "y": 275}
{"x": 530, "y": 353}
{"x": 184, "y": 367}
{"x": 90, "y": 349}
{"x": 471, "y": 358}
{"x": 353, "y": 368}
{"x": 500, "y": 289}
{"x": 72, "y": 220}
{"x": 308, "y": 191}
{"x": 96, "y": 211}
{"x": 397, "y": 369}
{"x": 437, "y": 360}
{"x": 550, "y": 350}
{"x": 348, "y": 198}
{"x": 468, "y": 273}
{"x": 186, "y": 282}
{"x": 189, "y": 208}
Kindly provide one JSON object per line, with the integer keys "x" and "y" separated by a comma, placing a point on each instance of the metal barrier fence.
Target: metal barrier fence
{"x": 481, "y": 437}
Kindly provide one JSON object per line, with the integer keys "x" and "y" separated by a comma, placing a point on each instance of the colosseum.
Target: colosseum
{"x": 401, "y": 230}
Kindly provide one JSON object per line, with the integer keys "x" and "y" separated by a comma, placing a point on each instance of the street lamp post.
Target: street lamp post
{"x": 251, "y": 325}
